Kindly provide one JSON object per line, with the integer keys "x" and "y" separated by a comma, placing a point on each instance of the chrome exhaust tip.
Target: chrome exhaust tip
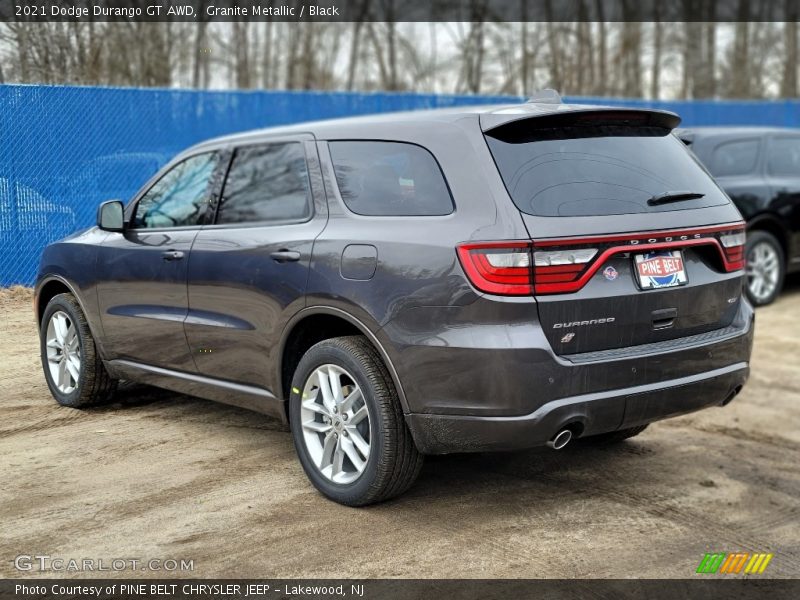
{"x": 561, "y": 439}
{"x": 731, "y": 396}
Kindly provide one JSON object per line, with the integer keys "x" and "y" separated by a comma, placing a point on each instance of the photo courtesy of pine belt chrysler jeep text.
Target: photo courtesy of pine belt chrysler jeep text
{"x": 461, "y": 280}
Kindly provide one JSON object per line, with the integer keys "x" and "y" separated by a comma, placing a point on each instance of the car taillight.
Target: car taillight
{"x": 560, "y": 266}
{"x": 733, "y": 246}
{"x": 502, "y": 268}
{"x": 565, "y": 265}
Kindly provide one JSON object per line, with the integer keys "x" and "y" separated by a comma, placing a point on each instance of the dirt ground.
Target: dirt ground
{"x": 159, "y": 475}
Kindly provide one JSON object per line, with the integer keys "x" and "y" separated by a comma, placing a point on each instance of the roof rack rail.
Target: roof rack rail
{"x": 545, "y": 96}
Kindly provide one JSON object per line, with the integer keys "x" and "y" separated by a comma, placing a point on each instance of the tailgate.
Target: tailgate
{"x": 633, "y": 242}
{"x": 636, "y": 288}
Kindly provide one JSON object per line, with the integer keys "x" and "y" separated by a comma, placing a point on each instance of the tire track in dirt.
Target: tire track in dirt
{"x": 43, "y": 419}
{"x": 750, "y": 537}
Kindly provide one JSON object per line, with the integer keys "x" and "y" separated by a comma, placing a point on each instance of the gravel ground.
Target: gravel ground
{"x": 160, "y": 475}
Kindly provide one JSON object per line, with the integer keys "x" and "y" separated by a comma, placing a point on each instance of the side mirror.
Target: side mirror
{"x": 110, "y": 216}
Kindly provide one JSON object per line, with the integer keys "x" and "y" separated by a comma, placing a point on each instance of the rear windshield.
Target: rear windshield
{"x": 593, "y": 170}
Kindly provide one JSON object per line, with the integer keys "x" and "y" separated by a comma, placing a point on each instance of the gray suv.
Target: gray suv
{"x": 467, "y": 280}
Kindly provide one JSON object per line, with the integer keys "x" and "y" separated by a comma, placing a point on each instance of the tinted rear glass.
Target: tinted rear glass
{"x": 784, "y": 156}
{"x": 389, "y": 179}
{"x": 593, "y": 170}
{"x": 266, "y": 183}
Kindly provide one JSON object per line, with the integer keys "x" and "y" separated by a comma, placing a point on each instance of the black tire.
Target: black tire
{"x": 754, "y": 239}
{"x": 393, "y": 463}
{"x": 615, "y": 437}
{"x": 94, "y": 385}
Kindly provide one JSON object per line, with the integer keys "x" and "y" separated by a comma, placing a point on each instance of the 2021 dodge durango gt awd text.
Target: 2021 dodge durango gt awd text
{"x": 423, "y": 283}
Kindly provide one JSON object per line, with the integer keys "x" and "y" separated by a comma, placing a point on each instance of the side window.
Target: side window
{"x": 389, "y": 178}
{"x": 734, "y": 158}
{"x": 783, "y": 156}
{"x": 180, "y": 197}
{"x": 266, "y": 183}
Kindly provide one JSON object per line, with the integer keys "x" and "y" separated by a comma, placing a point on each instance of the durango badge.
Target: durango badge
{"x": 579, "y": 323}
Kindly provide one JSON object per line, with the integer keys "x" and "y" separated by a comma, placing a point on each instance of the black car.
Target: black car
{"x": 392, "y": 286}
{"x": 759, "y": 168}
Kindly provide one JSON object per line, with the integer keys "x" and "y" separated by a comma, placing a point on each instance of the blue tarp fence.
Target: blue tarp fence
{"x": 63, "y": 150}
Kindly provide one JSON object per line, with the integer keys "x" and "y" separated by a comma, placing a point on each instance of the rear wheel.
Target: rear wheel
{"x": 614, "y": 437}
{"x": 72, "y": 367}
{"x": 765, "y": 267}
{"x": 347, "y": 424}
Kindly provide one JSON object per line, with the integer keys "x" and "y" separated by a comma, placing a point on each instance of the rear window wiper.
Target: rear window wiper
{"x": 668, "y": 197}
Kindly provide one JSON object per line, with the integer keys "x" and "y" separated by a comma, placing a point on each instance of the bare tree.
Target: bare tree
{"x": 709, "y": 89}
{"x": 630, "y": 50}
{"x": 658, "y": 47}
{"x": 740, "y": 56}
{"x": 582, "y": 69}
{"x": 202, "y": 64}
{"x": 355, "y": 41}
{"x": 696, "y": 58}
{"x": 385, "y": 77}
{"x": 554, "y": 47}
{"x": 391, "y": 42}
{"x": 789, "y": 78}
{"x": 601, "y": 87}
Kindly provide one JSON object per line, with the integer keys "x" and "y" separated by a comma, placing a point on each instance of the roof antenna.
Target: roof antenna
{"x": 545, "y": 96}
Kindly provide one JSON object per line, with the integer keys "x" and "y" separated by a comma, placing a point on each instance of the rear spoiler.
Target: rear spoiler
{"x": 500, "y": 124}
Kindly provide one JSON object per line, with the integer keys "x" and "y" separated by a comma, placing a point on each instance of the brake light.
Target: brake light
{"x": 565, "y": 265}
{"x": 502, "y": 268}
{"x": 560, "y": 266}
{"x": 733, "y": 246}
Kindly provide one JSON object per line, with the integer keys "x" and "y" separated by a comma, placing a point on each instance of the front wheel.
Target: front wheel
{"x": 765, "y": 268}
{"x": 72, "y": 367}
{"x": 347, "y": 424}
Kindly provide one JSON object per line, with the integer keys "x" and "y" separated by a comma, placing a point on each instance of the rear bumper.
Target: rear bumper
{"x": 507, "y": 390}
{"x": 591, "y": 413}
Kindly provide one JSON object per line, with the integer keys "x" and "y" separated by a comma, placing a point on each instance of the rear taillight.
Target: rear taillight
{"x": 560, "y": 266}
{"x": 733, "y": 246}
{"x": 565, "y": 265}
{"x": 499, "y": 267}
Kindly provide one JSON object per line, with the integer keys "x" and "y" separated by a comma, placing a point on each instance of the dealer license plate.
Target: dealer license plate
{"x": 660, "y": 269}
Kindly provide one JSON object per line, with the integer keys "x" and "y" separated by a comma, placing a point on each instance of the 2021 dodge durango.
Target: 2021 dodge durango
{"x": 393, "y": 286}
{"x": 759, "y": 168}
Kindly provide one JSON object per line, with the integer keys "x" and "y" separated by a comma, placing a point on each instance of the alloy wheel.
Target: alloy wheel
{"x": 763, "y": 271}
{"x": 63, "y": 352}
{"x": 336, "y": 424}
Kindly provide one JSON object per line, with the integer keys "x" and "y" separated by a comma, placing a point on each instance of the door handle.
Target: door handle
{"x": 283, "y": 256}
{"x": 172, "y": 255}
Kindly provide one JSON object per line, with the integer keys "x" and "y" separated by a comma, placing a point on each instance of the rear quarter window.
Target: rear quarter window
{"x": 734, "y": 158}
{"x": 389, "y": 179}
{"x": 783, "y": 157}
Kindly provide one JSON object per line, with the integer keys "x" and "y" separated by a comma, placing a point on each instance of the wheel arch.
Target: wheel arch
{"x": 339, "y": 322}
{"x": 47, "y": 289}
{"x": 53, "y": 284}
{"x": 771, "y": 223}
